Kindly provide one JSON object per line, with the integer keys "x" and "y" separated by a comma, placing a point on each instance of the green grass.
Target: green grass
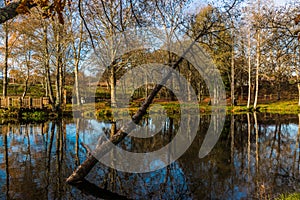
{"x": 294, "y": 196}
{"x": 282, "y": 107}
{"x": 173, "y": 107}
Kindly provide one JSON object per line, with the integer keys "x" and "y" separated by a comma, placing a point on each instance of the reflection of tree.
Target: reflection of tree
{"x": 77, "y": 161}
{"x": 295, "y": 168}
{"x": 6, "y": 162}
{"x": 232, "y": 122}
{"x": 38, "y": 171}
{"x": 248, "y": 147}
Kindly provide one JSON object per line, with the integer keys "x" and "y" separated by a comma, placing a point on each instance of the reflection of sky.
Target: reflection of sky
{"x": 288, "y": 129}
{"x": 88, "y": 135}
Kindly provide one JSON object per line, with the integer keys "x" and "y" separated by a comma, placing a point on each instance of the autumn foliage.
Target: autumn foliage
{"x": 49, "y": 8}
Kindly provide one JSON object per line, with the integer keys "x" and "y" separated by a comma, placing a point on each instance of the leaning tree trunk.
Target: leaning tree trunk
{"x": 102, "y": 149}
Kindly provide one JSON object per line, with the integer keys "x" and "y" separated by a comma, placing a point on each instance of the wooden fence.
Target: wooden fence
{"x": 27, "y": 102}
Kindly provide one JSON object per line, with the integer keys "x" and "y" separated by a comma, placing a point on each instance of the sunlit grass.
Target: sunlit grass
{"x": 282, "y": 107}
{"x": 294, "y": 196}
{"x": 173, "y": 107}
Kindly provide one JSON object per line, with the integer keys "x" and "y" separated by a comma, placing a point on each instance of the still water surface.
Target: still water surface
{"x": 250, "y": 161}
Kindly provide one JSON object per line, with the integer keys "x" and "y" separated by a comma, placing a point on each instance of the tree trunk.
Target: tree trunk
{"x": 27, "y": 60}
{"x": 257, "y": 62}
{"x": 77, "y": 92}
{"x": 298, "y": 93}
{"x": 45, "y": 87}
{"x": 257, "y": 69}
{"x": 112, "y": 80}
{"x": 232, "y": 68}
{"x": 46, "y": 58}
{"x": 249, "y": 69}
{"x": 298, "y": 80}
{"x": 5, "y": 68}
{"x": 279, "y": 91}
{"x": 190, "y": 82}
{"x": 59, "y": 66}
{"x": 77, "y": 57}
{"x": 232, "y": 76}
{"x": 26, "y": 84}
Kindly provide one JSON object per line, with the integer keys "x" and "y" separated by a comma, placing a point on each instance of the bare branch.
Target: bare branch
{"x": 85, "y": 24}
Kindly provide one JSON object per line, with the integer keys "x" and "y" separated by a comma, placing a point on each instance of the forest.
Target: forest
{"x": 49, "y": 47}
{"x": 216, "y": 67}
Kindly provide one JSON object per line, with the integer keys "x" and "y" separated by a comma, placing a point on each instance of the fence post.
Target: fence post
{"x": 41, "y": 102}
{"x": 29, "y": 102}
{"x": 20, "y": 102}
{"x": 45, "y": 101}
{"x": 9, "y": 102}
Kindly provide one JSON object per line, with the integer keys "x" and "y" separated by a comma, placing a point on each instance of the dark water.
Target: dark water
{"x": 252, "y": 161}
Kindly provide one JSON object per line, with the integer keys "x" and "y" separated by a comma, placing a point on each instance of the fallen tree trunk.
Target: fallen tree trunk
{"x": 104, "y": 148}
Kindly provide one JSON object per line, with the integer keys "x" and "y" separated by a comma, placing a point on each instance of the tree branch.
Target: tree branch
{"x": 85, "y": 24}
{"x": 10, "y": 11}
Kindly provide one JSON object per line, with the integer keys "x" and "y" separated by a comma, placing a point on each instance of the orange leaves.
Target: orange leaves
{"x": 297, "y": 20}
{"x": 49, "y": 8}
{"x": 23, "y": 7}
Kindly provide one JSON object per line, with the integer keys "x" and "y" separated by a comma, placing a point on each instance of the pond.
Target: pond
{"x": 258, "y": 158}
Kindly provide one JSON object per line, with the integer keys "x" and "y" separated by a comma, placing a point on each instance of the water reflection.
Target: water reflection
{"x": 257, "y": 156}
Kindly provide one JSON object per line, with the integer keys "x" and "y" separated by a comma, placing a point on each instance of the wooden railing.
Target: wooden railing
{"x": 27, "y": 102}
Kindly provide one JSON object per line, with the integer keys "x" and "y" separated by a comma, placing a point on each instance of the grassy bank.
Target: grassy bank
{"x": 102, "y": 110}
{"x": 29, "y": 115}
{"x": 173, "y": 107}
{"x": 280, "y": 107}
